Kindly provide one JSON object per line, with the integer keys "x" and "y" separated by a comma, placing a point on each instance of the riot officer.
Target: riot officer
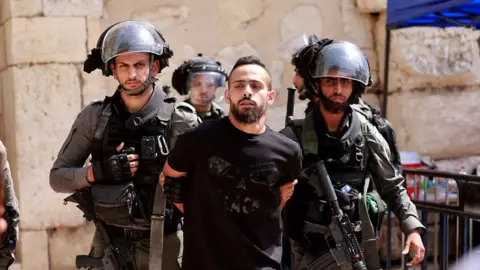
{"x": 289, "y": 50}
{"x": 292, "y": 48}
{"x": 200, "y": 78}
{"x": 356, "y": 156}
{"x": 10, "y": 213}
{"x": 128, "y": 135}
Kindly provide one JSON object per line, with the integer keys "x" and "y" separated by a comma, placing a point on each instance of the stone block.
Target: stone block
{"x": 276, "y": 114}
{"x": 230, "y": 54}
{"x": 238, "y": 14}
{"x": 64, "y": 244}
{"x": 439, "y": 123}
{"x": 371, "y": 6}
{"x": 95, "y": 86}
{"x": 372, "y": 99}
{"x": 93, "y": 33}
{"x": 41, "y": 39}
{"x": 3, "y": 57}
{"x": 43, "y": 102}
{"x": 337, "y": 19}
{"x": 62, "y": 8}
{"x": 429, "y": 57}
{"x": 163, "y": 16}
{"x": 19, "y": 8}
{"x": 34, "y": 250}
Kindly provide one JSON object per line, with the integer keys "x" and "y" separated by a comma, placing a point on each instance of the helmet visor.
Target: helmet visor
{"x": 204, "y": 87}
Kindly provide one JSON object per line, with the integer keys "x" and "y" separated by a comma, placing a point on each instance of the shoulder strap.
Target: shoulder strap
{"x": 101, "y": 125}
{"x": 297, "y": 128}
{"x": 369, "y": 237}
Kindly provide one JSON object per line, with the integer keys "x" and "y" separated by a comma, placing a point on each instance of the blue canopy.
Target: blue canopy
{"x": 438, "y": 13}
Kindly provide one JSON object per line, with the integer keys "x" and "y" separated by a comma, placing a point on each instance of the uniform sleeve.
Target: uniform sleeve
{"x": 183, "y": 118}
{"x": 68, "y": 173}
{"x": 390, "y": 183}
{"x": 11, "y": 202}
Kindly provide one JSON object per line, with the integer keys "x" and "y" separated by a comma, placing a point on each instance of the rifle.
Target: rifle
{"x": 111, "y": 259}
{"x": 346, "y": 248}
{"x": 290, "y": 105}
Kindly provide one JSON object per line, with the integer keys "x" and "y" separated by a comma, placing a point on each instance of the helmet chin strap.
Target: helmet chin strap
{"x": 144, "y": 86}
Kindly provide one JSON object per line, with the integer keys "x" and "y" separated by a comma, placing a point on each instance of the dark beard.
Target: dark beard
{"x": 249, "y": 116}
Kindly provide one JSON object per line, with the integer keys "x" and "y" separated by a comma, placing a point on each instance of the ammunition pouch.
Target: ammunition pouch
{"x": 119, "y": 205}
{"x": 377, "y": 209}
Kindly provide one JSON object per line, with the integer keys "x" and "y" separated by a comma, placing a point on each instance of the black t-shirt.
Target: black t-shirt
{"x": 232, "y": 202}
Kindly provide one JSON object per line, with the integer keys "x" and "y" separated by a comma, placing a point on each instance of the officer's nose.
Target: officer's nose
{"x": 132, "y": 73}
{"x": 338, "y": 87}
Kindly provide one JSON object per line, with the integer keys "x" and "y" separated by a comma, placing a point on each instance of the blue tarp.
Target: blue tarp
{"x": 439, "y": 13}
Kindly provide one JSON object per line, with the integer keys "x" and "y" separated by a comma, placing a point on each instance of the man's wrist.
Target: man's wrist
{"x": 90, "y": 174}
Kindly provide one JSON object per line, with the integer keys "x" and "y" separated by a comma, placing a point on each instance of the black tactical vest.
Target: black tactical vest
{"x": 345, "y": 159}
{"x": 130, "y": 204}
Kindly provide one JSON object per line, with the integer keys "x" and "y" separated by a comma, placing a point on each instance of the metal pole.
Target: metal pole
{"x": 385, "y": 72}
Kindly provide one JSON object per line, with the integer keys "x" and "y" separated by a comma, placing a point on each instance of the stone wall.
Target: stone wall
{"x": 43, "y": 44}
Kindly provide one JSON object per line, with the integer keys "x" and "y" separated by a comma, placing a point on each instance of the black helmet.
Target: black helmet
{"x": 124, "y": 37}
{"x": 184, "y": 74}
{"x": 334, "y": 58}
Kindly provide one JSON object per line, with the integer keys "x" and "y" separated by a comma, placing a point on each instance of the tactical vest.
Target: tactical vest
{"x": 130, "y": 204}
{"x": 216, "y": 112}
{"x": 349, "y": 176}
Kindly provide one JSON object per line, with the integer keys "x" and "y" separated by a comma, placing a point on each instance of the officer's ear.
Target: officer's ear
{"x": 112, "y": 69}
{"x": 156, "y": 67}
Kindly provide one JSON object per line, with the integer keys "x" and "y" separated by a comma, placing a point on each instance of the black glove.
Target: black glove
{"x": 117, "y": 166}
{"x": 174, "y": 189}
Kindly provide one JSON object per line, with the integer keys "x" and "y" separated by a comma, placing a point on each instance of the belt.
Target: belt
{"x": 136, "y": 235}
{"x": 125, "y": 233}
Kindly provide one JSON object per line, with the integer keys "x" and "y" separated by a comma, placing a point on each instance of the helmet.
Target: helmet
{"x": 133, "y": 36}
{"x": 211, "y": 71}
{"x": 126, "y": 37}
{"x": 334, "y": 58}
{"x": 343, "y": 60}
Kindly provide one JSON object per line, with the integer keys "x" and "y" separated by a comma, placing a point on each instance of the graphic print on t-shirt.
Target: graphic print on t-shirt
{"x": 241, "y": 190}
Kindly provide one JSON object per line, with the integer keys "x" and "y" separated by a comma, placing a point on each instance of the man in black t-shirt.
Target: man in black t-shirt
{"x": 240, "y": 174}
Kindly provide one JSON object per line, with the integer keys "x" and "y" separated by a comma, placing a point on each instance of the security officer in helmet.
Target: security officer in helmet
{"x": 128, "y": 136}
{"x": 200, "y": 78}
{"x": 292, "y": 48}
{"x": 356, "y": 156}
{"x": 289, "y": 50}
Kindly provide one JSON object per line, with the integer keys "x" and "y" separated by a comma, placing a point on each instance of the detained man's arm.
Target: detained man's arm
{"x": 168, "y": 171}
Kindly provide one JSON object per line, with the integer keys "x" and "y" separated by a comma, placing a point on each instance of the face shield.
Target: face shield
{"x": 290, "y": 47}
{"x": 205, "y": 87}
{"x": 342, "y": 60}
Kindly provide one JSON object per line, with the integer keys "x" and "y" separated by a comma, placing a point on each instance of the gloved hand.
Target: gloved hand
{"x": 120, "y": 166}
{"x": 174, "y": 189}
